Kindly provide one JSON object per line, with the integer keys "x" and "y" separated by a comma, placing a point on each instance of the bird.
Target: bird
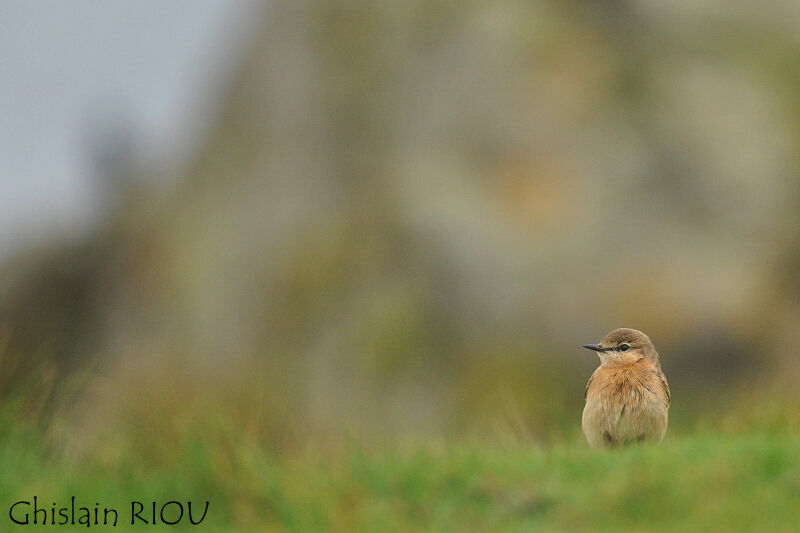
{"x": 627, "y": 397}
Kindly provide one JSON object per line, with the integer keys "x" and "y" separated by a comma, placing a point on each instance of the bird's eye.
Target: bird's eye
{"x": 623, "y": 347}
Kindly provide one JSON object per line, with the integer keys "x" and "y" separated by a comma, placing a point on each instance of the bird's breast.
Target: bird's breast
{"x": 622, "y": 405}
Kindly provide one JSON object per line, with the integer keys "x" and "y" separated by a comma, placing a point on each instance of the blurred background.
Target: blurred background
{"x": 314, "y": 220}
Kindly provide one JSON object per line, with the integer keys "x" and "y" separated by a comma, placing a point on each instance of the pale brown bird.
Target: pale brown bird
{"x": 627, "y": 397}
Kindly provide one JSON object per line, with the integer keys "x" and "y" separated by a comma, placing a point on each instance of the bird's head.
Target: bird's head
{"x": 624, "y": 346}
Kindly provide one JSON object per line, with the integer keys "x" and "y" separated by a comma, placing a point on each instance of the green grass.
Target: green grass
{"x": 749, "y": 481}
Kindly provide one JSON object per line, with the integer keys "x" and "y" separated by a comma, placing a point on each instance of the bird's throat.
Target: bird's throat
{"x": 616, "y": 359}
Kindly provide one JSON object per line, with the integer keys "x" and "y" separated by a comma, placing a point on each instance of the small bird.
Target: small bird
{"x": 627, "y": 397}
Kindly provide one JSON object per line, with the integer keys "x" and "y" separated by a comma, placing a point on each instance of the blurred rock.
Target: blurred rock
{"x": 401, "y": 201}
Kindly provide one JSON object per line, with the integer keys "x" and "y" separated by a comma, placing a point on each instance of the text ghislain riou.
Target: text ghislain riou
{"x": 34, "y": 512}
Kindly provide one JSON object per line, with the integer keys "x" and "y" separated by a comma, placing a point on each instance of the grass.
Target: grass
{"x": 733, "y": 481}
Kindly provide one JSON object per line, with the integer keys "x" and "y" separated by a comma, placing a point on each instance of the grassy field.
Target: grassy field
{"x": 725, "y": 481}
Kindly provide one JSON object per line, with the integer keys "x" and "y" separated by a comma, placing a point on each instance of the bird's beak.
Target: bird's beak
{"x": 595, "y": 347}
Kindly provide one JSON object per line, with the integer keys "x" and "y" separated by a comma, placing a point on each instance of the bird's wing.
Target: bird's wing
{"x": 665, "y": 386}
{"x": 589, "y": 383}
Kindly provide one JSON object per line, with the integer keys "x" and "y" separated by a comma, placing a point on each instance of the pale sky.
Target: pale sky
{"x": 67, "y": 67}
